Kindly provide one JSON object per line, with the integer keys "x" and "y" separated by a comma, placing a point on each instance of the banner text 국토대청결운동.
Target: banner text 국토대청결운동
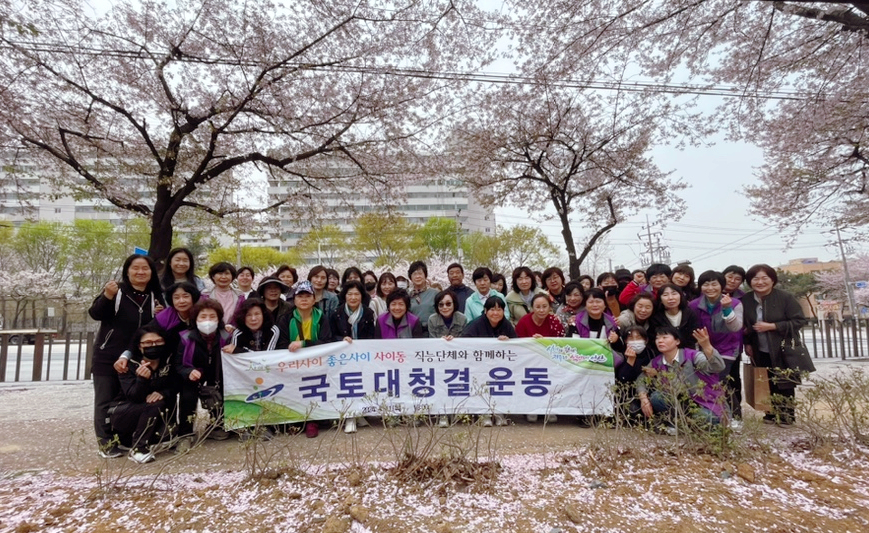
{"x": 566, "y": 376}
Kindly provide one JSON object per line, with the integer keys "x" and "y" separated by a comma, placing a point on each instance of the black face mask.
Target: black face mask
{"x": 154, "y": 353}
{"x": 370, "y": 286}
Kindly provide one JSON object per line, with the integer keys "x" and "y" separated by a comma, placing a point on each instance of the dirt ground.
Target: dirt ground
{"x": 549, "y": 479}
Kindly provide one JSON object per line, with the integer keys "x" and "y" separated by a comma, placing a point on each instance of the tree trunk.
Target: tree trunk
{"x": 161, "y": 232}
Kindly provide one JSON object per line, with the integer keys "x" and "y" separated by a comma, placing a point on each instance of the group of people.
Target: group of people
{"x": 158, "y": 349}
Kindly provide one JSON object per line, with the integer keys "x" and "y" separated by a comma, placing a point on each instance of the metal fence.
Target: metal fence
{"x": 66, "y": 357}
{"x": 840, "y": 339}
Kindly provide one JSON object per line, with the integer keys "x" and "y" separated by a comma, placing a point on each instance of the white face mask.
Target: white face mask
{"x": 638, "y": 346}
{"x": 402, "y": 285}
{"x": 206, "y": 327}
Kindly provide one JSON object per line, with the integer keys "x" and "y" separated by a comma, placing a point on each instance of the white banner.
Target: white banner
{"x": 406, "y": 376}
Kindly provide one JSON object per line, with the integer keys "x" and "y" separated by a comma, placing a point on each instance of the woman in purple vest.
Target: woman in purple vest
{"x": 684, "y": 382}
{"x": 398, "y": 322}
{"x": 721, "y": 315}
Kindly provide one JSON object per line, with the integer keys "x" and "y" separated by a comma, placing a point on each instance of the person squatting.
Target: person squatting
{"x": 161, "y": 338}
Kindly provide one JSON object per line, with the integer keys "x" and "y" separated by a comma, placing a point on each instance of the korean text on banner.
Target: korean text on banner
{"x": 406, "y": 376}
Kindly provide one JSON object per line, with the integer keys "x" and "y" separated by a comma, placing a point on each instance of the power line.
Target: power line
{"x": 728, "y": 91}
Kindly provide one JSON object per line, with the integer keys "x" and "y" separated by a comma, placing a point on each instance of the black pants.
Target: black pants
{"x": 140, "y": 424}
{"x": 782, "y": 392}
{"x": 735, "y": 387}
{"x": 187, "y": 408}
{"x": 106, "y": 389}
{"x": 732, "y": 386}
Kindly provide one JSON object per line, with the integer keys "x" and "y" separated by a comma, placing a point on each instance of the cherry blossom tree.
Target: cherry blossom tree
{"x": 163, "y": 107}
{"x": 831, "y": 283}
{"x": 583, "y": 153}
{"x": 794, "y": 76}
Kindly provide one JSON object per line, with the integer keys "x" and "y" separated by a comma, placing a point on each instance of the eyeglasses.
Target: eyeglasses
{"x": 148, "y": 344}
{"x": 445, "y": 304}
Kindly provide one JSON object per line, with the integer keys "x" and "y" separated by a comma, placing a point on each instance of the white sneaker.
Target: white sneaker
{"x": 350, "y": 425}
{"x": 551, "y": 419}
{"x": 736, "y": 425}
{"x": 444, "y": 422}
{"x": 487, "y": 421}
{"x": 500, "y": 420}
{"x": 671, "y": 431}
{"x": 141, "y": 457}
{"x": 531, "y": 418}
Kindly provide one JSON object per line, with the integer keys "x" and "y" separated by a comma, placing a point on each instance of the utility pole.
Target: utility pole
{"x": 655, "y": 253}
{"x": 848, "y": 290}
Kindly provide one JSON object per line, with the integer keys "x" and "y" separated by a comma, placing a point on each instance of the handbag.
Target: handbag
{"x": 794, "y": 353}
{"x": 210, "y": 397}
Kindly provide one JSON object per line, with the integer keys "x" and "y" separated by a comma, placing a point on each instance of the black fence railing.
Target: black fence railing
{"x": 840, "y": 339}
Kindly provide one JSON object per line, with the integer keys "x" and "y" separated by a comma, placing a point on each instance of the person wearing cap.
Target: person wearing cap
{"x": 271, "y": 290}
{"x": 306, "y": 326}
{"x": 141, "y": 412}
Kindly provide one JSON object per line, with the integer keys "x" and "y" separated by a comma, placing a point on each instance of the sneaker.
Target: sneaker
{"x": 140, "y": 457}
{"x": 218, "y": 434}
{"x": 486, "y": 421}
{"x": 444, "y": 422}
{"x": 350, "y": 425}
{"x": 769, "y": 419}
{"x": 735, "y": 425}
{"x": 110, "y": 452}
{"x": 500, "y": 420}
{"x": 551, "y": 419}
{"x": 184, "y": 445}
{"x": 311, "y": 430}
{"x": 531, "y": 418}
{"x": 671, "y": 430}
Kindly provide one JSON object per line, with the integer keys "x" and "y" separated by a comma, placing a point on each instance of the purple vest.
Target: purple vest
{"x": 706, "y": 389}
{"x": 387, "y": 326}
{"x": 728, "y": 343}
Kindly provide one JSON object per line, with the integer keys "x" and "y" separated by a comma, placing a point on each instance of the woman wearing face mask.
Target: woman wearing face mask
{"x": 566, "y": 314}
{"x": 524, "y": 289}
{"x": 122, "y": 308}
{"x": 180, "y": 267}
{"x": 671, "y": 309}
{"x": 638, "y": 313}
{"x": 325, "y": 300}
{"x": 142, "y": 413}
{"x": 722, "y": 317}
{"x": 638, "y": 354}
{"x": 245, "y": 282}
{"x": 200, "y": 367}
